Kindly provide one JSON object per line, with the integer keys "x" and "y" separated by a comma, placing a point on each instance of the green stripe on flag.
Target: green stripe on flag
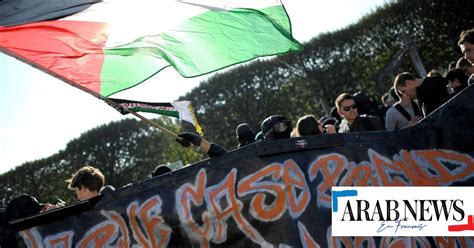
{"x": 130, "y": 65}
{"x": 156, "y": 111}
{"x": 203, "y": 44}
{"x": 280, "y": 18}
{"x": 239, "y": 35}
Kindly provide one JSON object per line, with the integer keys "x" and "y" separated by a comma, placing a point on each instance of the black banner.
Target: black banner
{"x": 271, "y": 194}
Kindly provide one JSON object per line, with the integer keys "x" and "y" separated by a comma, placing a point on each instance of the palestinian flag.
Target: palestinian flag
{"x": 104, "y": 47}
{"x": 180, "y": 109}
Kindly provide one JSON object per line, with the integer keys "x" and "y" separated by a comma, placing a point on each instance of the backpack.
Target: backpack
{"x": 402, "y": 111}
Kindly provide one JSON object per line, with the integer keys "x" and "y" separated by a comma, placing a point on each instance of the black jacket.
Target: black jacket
{"x": 431, "y": 94}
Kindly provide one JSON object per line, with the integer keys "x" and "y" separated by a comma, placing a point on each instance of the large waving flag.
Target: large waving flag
{"x": 108, "y": 46}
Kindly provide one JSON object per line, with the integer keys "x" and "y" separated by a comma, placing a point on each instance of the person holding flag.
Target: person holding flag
{"x": 213, "y": 150}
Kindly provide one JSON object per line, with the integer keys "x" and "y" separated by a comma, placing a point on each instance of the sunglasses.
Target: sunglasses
{"x": 347, "y": 108}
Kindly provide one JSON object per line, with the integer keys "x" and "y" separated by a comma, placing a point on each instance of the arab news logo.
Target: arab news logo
{"x": 402, "y": 211}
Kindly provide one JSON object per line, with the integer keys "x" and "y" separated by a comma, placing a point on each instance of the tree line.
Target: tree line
{"x": 306, "y": 82}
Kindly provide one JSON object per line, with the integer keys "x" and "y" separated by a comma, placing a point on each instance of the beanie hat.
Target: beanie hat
{"x": 245, "y": 134}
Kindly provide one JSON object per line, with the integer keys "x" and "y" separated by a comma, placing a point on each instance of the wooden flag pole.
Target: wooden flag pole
{"x": 152, "y": 123}
{"x": 114, "y": 104}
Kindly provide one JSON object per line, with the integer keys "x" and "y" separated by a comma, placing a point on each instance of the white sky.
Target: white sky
{"x": 42, "y": 114}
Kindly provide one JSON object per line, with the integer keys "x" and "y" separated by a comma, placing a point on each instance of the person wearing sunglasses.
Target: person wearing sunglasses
{"x": 351, "y": 120}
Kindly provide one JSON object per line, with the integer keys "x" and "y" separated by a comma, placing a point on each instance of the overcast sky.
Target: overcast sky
{"x": 41, "y": 114}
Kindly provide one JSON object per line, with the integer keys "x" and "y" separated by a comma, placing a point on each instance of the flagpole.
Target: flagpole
{"x": 152, "y": 123}
{"x": 116, "y": 105}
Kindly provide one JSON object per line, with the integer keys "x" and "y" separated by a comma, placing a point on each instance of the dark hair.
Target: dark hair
{"x": 366, "y": 104}
{"x": 160, "y": 170}
{"x": 19, "y": 207}
{"x": 259, "y": 136}
{"x": 434, "y": 73}
{"x": 458, "y": 74}
{"x": 400, "y": 79}
{"x": 463, "y": 63}
{"x": 452, "y": 65}
{"x": 466, "y": 36}
{"x": 385, "y": 98}
{"x": 342, "y": 97}
{"x": 88, "y": 177}
{"x": 395, "y": 94}
{"x": 106, "y": 189}
{"x": 22, "y": 206}
{"x": 333, "y": 113}
{"x": 307, "y": 125}
{"x": 329, "y": 121}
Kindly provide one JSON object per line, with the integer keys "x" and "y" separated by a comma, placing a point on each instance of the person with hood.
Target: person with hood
{"x": 276, "y": 127}
{"x": 19, "y": 207}
{"x": 245, "y": 135}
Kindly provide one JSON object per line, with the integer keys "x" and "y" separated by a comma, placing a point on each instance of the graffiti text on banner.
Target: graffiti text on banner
{"x": 276, "y": 190}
